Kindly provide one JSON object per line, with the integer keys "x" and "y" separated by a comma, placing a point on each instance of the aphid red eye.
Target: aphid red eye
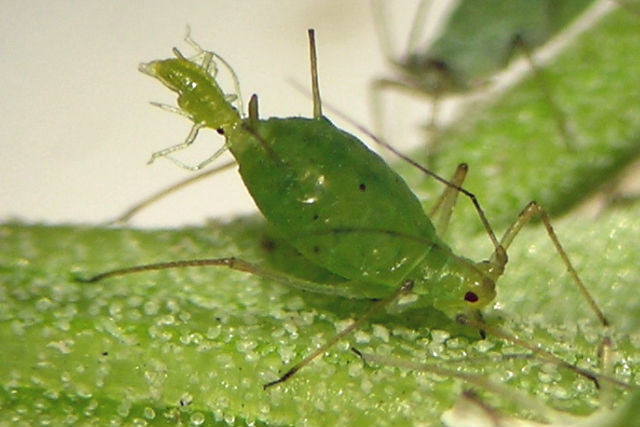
{"x": 362, "y": 187}
{"x": 470, "y": 297}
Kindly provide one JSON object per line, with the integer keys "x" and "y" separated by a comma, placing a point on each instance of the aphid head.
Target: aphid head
{"x": 167, "y": 71}
{"x": 469, "y": 287}
{"x": 432, "y": 75}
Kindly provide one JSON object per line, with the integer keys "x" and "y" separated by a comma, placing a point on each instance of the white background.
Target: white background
{"x": 77, "y": 128}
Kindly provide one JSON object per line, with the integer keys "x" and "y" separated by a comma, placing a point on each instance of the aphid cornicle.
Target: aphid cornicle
{"x": 340, "y": 205}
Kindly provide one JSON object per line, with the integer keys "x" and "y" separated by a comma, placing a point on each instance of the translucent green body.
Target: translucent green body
{"x": 480, "y": 37}
{"x": 334, "y": 200}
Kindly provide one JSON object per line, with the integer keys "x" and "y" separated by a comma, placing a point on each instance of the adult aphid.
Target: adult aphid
{"x": 339, "y": 205}
{"x": 480, "y": 38}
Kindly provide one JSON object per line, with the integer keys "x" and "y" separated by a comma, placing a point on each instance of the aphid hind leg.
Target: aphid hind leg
{"x": 133, "y": 210}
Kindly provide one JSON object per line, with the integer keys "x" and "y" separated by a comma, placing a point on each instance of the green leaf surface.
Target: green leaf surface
{"x": 197, "y": 344}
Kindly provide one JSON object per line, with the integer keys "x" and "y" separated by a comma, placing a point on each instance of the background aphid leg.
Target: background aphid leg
{"x": 133, "y": 210}
{"x": 404, "y": 82}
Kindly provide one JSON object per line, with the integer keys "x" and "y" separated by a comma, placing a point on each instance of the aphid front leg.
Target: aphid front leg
{"x": 525, "y": 216}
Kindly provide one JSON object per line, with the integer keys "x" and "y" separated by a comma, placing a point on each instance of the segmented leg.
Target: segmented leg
{"x": 193, "y": 133}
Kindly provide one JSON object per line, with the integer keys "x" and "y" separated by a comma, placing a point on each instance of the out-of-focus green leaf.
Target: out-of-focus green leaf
{"x": 514, "y": 149}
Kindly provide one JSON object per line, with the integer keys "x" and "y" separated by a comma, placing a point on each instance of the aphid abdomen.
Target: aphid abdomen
{"x": 335, "y": 201}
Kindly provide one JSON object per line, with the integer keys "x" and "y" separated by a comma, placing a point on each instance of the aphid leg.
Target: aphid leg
{"x": 441, "y": 211}
{"x": 244, "y": 266}
{"x": 375, "y": 308}
{"x": 542, "y": 354}
{"x": 229, "y": 262}
{"x": 379, "y": 86}
{"x": 478, "y": 381}
{"x": 209, "y": 60}
{"x": 559, "y": 115}
{"x": 525, "y": 216}
{"x": 381, "y": 27}
{"x": 433, "y": 134}
{"x": 129, "y": 213}
{"x": 606, "y": 358}
{"x": 170, "y": 108}
{"x": 193, "y": 133}
{"x": 408, "y": 86}
{"x": 384, "y": 35}
{"x": 422, "y": 12}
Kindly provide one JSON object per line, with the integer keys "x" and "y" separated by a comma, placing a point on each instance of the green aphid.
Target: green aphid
{"x": 341, "y": 206}
{"x": 480, "y": 39}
